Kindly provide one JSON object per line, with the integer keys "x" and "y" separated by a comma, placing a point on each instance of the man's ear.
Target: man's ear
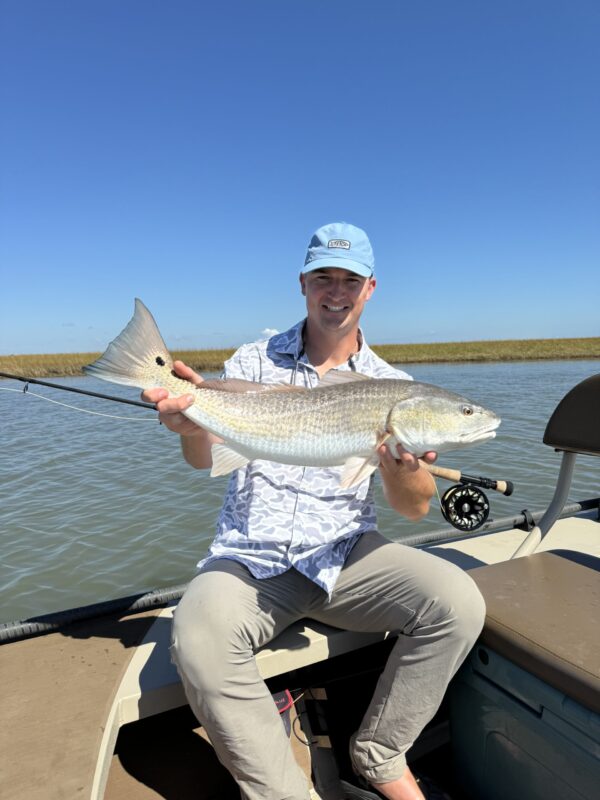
{"x": 371, "y": 289}
{"x": 302, "y": 285}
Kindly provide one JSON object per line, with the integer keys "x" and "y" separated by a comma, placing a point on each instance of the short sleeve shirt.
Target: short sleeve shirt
{"x": 278, "y": 516}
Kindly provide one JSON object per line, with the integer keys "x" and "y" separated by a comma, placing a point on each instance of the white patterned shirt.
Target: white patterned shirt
{"x": 278, "y": 516}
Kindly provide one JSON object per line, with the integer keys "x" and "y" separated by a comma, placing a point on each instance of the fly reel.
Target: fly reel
{"x": 465, "y": 507}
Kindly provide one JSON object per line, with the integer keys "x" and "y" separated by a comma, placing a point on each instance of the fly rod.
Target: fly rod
{"x": 27, "y": 381}
{"x": 456, "y": 476}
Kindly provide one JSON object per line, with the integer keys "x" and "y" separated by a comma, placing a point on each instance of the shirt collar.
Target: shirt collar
{"x": 290, "y": 342}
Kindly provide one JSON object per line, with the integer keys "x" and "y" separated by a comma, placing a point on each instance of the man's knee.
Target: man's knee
{"x": 205, "y": 639}
{"x": 466, "y": 607}
{"x": 457, "y": 608}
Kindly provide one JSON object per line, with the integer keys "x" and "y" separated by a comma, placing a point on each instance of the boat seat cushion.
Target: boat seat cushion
{"x": 543, "y": 613}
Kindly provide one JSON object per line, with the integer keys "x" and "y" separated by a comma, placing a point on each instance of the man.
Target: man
{"x": 291, "y": 544}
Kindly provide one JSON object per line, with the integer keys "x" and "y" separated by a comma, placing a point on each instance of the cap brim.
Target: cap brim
{"x": 338, "y": 263}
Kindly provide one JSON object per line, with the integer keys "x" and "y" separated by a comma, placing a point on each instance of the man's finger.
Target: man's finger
{"x": 175, "y": 405}
{"x": 409, "y": 460}
{"x": 187, "y": 373}
{"x": 154, "y": 395}
{"x": 386, "y": 455}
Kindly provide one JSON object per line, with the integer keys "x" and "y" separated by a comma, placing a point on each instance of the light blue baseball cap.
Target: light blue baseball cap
{"x": 340, "y": 245}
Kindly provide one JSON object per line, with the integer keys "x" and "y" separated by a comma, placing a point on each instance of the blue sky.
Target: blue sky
{"x": 183, "y": 152}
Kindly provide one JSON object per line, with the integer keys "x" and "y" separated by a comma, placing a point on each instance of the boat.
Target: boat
{"x": 93, "y": 707}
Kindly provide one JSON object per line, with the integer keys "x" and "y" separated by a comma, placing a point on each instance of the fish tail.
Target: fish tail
{"x": 135, "y": 352}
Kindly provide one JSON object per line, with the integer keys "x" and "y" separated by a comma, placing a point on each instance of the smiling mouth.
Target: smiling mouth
{"x": 336, "y": 308}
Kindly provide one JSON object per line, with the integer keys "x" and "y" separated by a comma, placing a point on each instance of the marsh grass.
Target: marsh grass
{"x": 65, "y": 364}
{"x": 501, "y": 350}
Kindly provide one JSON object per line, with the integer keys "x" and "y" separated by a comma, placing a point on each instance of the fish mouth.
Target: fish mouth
{"x": 481, "y": 435}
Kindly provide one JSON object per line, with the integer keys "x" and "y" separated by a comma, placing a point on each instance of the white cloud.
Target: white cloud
{"x": 267, "y": 333}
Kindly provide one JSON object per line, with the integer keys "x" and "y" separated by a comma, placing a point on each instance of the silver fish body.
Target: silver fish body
{"x": 341, "y": 422}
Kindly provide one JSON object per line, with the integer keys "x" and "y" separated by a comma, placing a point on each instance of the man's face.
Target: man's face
{"x": 335, "y": 298}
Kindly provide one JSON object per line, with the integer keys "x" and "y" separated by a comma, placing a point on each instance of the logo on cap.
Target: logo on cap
{"x": 343, "y": 243}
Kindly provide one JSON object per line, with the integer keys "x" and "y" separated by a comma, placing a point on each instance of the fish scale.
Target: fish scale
{"x": 325, "y": 425}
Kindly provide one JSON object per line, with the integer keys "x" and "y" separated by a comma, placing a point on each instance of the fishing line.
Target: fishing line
{"x": 439, "y": 497}
{"x": 63, "y": 388}
{"x": 437, "y": 491}
{"x": 76, "y": 408}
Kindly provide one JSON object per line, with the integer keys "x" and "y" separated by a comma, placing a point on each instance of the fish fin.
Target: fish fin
{"x": 225, "y": 460}
{"x": 238, "y": 385}
{"x": 382, "y": 438}
{"x": 335, "y": 377}
{"x": 357, "y": 468}
{"x": 127, "y": 358}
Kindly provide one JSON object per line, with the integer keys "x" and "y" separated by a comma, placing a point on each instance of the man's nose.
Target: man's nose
{"x": 336, "y": 289}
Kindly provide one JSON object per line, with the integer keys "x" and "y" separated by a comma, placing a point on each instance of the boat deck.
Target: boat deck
{"x": 73, "y": 692}
{"x": 579, "y": 534}
{"x": 55, "y": 711}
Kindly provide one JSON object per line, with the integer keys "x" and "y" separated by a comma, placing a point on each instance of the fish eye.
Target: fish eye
{"x": 467, "y": 410}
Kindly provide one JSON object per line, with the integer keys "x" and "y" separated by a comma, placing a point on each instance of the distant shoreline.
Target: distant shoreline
{"x": 67, "y": 364}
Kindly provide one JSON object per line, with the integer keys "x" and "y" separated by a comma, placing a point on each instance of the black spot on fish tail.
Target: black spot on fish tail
{"x": 160, "y": 361}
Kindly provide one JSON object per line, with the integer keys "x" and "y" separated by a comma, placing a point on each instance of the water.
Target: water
{"x": 93, "y": 508}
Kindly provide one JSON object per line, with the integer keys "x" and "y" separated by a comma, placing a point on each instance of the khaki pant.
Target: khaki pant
{"x": 226, "y": 614}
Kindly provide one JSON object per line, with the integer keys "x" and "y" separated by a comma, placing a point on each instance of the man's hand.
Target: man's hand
{"x": 171, "y": 408}
{"x": 402, "y": 459}
{"x": 196, "y": 442}
{"x": 407, "y": 488}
